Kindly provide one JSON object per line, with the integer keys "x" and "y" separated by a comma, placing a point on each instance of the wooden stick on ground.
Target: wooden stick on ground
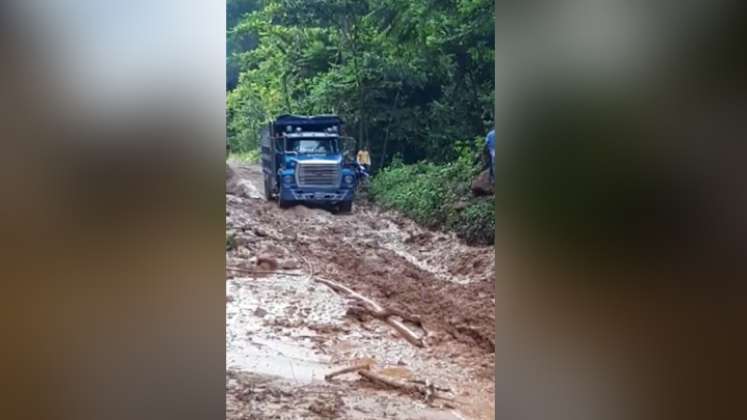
{"x": 389, "y": 382}
{"x": 355, "y": 368}
{"x": 428, "y": 392}
{"x": 376, "y": 309}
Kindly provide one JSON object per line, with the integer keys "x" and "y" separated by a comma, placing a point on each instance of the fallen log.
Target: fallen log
{"x": 350, "y": 369}
{"x": 340, "y": 288}
{"x": 374, "y": 308}
{"x": 386, "y": 313}
{"x": 428, "y": 392}
{"x": 391, "y": 383}
{"x": 377, "y": 311}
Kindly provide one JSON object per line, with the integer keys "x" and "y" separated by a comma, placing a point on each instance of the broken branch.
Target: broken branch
{"x": 350, "y": 369}
{"x": 389, "y": 382}
{"x": 428, "y": 392}
{"x": 377, "y": 311}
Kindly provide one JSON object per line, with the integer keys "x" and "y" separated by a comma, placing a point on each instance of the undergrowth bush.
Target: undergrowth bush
{"x": 251, "y": 156}
{"x": 438, "y": 196}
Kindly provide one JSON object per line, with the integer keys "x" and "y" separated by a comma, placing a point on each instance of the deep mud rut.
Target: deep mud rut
{"x": 285, "y": 331}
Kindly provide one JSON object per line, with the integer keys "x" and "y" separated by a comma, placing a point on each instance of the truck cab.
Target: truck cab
{"x": 302, "y": 161}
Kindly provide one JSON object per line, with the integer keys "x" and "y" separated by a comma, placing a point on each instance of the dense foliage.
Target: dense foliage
{"x": 411, "y": 78}
{"x": 237, "y": 42}
{"x": 438, "y": 195}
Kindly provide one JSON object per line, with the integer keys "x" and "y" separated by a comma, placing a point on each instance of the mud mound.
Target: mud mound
{"x": 466, "y": 313}
{"x": 242, "y": 182}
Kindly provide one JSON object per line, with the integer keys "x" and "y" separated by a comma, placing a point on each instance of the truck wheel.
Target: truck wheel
{"x": 283, "y": 204}
{"x": 346, "y": 206}
{"x": 268, "y": 192}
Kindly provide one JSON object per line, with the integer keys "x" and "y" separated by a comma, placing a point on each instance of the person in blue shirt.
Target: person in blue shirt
{"x": 490, "y": 152}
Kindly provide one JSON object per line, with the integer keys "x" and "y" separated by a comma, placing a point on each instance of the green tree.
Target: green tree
{"x": 409, "y": 77}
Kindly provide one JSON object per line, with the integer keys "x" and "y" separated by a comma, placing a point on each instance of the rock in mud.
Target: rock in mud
{"x": 419, "y": 238}
{"x": 327, "y": 407}
{"x": 267, "y": 263}
{"x": 241, "y": 241}
{"x": 460, "y": 205}
{"x": 482, "y": 185}
{"x": 232, "y": 182}
{"x": 290, "y": 265}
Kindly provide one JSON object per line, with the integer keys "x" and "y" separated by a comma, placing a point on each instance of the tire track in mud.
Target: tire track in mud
{"x": 378, "y": 254}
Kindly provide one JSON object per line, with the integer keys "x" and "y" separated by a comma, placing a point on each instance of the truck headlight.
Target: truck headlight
{"x": 288, "y": 179}
{"x": 348, "y": 179}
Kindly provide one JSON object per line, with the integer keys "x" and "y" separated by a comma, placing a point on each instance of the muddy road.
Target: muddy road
{"x": 285, "y": 330}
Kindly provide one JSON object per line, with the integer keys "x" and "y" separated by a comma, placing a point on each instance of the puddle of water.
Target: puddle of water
{"x": 267, "y": 326}
{"x": 277, "y": 358}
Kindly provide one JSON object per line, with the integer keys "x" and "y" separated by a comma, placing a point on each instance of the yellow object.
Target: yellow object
{"x": 363, "y": 158}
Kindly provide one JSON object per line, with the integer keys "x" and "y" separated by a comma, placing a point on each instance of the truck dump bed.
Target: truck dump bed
{"x": 313, "y": 123}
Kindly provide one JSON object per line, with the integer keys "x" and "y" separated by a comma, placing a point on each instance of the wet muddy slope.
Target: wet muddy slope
{"x": 285, "y": 330}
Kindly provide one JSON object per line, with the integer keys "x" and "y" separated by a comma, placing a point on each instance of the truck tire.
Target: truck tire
{"x": 346, "y": 206}
{"x": 268, "y": 192}
{"x": 283, "y": 204}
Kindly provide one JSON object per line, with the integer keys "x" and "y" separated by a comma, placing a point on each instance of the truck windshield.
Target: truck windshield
{"x": 312, "y": 146}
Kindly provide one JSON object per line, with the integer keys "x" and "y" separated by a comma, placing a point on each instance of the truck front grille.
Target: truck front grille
{"x": 314, "y": 174}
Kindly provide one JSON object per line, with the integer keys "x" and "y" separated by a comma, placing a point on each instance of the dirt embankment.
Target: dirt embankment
{"x": 386, "y": 257}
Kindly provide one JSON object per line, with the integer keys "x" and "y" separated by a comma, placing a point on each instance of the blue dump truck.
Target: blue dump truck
{"x": 302, "y": 161}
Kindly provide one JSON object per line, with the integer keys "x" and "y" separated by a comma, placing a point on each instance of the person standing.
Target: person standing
{"x": 364, "y": 159}
{"x": 490, "y": 153}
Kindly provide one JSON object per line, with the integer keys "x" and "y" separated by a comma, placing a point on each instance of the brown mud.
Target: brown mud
{"x": 285, "y": 331}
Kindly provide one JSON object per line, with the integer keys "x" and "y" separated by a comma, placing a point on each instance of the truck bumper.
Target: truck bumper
{"x": 316, "y": 195}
